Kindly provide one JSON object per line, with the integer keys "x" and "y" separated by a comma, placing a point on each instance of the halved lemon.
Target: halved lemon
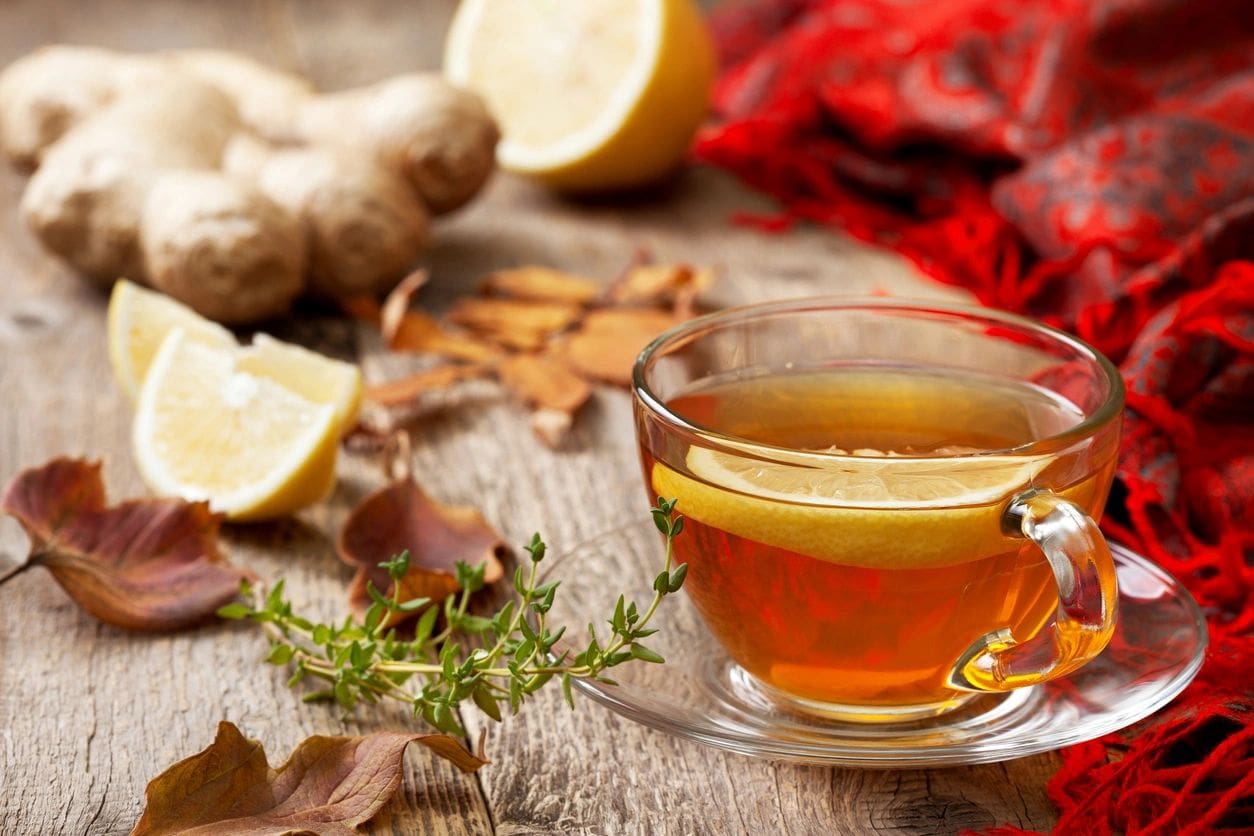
{"x": 207, "y": 430}
{"x": 861, "y": 511}
{"x": 138, "y": 321}
{"x": 591, "y": 95}
{"x": 307, "y": 373}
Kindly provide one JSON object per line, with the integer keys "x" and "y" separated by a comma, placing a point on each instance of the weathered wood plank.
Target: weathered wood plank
{"x": 590, "y": 771}
{"x": 92, "y": 713}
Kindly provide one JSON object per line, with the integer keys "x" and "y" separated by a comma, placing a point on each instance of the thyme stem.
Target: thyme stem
{"x": 436, "y": 672}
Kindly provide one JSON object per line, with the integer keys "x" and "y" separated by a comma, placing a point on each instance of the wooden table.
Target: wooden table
{"x": 91, "y": 713}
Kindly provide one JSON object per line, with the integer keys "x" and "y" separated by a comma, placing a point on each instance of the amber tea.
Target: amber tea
{"x": 846, "y": 539}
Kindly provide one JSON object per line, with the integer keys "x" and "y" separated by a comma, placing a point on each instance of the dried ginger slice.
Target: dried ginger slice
{"x": 541, "y": 284}
{"x": 515, "y": 323}
{"x": 554, "y": 392}
{"x": 605, "y": 345}
{"x": 406, "y": 390}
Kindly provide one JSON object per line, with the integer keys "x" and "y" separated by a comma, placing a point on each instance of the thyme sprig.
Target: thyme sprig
{"x": 493, "y": 661}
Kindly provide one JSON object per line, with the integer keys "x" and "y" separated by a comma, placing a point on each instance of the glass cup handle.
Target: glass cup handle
{"x": 1087, "y": 595}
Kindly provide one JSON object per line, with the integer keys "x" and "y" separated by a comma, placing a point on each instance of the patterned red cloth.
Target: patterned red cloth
{"x": 1090, "y": 163}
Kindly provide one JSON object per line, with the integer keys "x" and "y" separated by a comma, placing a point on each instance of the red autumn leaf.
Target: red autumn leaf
{"x": 144, "y": 564}
{"x": 330, "y": 785}
{"x": 401, "y": 517}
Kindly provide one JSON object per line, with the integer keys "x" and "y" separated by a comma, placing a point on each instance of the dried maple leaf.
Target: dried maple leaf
{"x": 145, "y": 564}
{"x": 547, "y": 385}
{"x": 330, "y": 785}
{"x": 401, "y": 517}
{"x": 514, "y": 323}
{"x": 541, "y": 284}
{"x": 605, "y": 345}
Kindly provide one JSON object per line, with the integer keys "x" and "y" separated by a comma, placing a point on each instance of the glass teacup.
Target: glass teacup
{"x": 890, "y": 506}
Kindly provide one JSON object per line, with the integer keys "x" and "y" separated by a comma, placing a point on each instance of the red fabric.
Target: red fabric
{"x": 1090, "y": 163}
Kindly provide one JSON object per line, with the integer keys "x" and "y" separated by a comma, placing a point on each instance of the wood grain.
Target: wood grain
{"x": 92, "y": 713}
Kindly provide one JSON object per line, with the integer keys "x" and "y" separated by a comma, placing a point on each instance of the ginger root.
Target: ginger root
{"x": 363, "y": 226}
{"x": 232, "y": 186}
{"x": 224, "y": 249}
{"x": 44, "y": 94}
{"x": 439, "y": 137}
{"x": 86, "y": 198}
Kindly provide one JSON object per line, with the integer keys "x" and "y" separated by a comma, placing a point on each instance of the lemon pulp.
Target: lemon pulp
{"x": 207, "y": 430}
{"x": 593, "y": 95}
{"x": 881, "y": 513}
{"x": 138, "y": 321}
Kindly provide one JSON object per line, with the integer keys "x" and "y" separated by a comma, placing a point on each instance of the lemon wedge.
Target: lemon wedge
{"x": 138, "y": 321}
{"x": 207, "y": 430}
{"x": 856, "y": 510}
{"x": 307, "y": 373}
{"x": 593, "y": 95}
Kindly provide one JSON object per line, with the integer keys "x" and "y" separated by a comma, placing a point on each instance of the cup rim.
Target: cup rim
{"x": 1109, "y": 409}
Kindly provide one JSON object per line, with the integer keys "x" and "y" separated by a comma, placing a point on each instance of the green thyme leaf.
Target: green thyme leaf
{"x": 644, "y": 654}
{"x": 280, "y": 654}
{"x": 491, "y": 660}
{"x": 234, "y": 611}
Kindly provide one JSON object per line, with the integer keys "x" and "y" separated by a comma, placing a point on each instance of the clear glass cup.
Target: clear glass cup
{"x": 891, "y": 505}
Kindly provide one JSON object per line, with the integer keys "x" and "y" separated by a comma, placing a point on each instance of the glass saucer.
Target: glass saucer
{"x": 700, "y": 694}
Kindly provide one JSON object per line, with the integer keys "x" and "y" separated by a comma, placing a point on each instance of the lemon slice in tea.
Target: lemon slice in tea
{"x": 862, "y": 511}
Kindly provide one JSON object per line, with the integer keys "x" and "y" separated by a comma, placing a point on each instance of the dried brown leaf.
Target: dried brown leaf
{"x": 514, "y": 323}
{"x": 541, "y": 284}
{"x": 406, "y": 390}
{"x": 605, "y": 345}
{"x": 144, "y": 564}
{"x": 330, "y": 785}
{"x": 401, "y": 517}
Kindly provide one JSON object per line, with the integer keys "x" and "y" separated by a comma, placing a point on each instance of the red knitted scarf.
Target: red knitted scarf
{"x": 1089, "y": 163}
